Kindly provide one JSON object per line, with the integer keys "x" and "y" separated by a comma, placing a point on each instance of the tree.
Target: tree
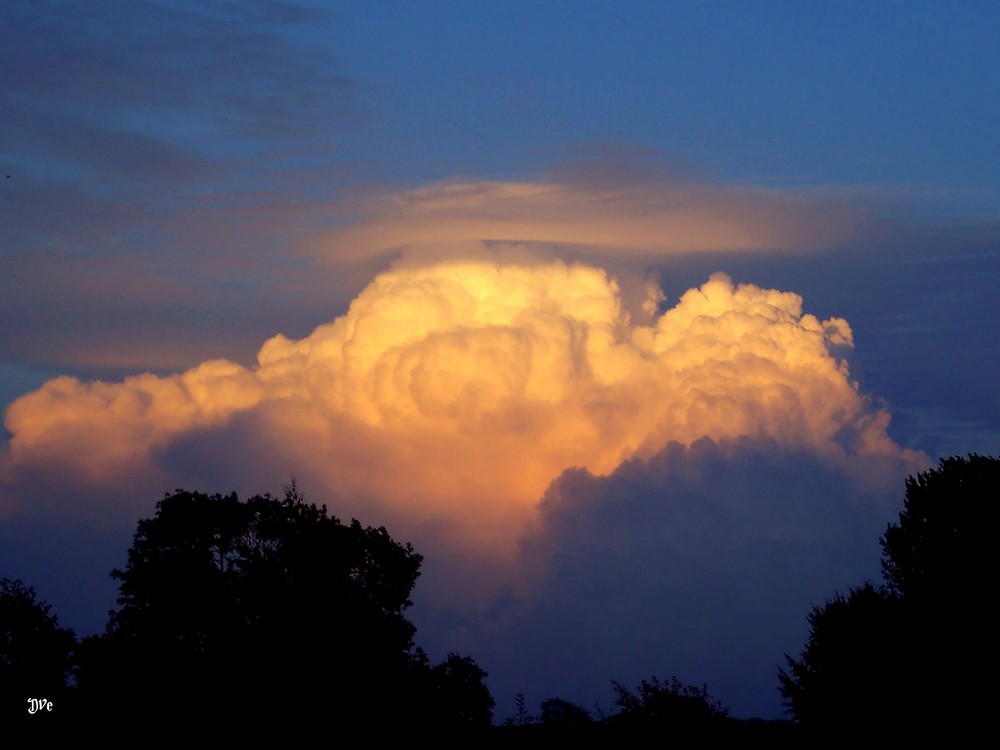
{"x": 853, "y": 670}
{"x": 36, "y": 654}
{"x": 907, "y": 654}
{"x": 263, "y": 608}
{"x": 459, "y": 692}
{"x": 521, "y": 717}
{"x": 940, "y": 559}
{"x": 943, "y": 548}
{"x": 668, "y": 703}
{"x": 562, "y": 714}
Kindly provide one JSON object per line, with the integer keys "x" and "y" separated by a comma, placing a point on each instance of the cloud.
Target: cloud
{"x": 597, "y": 208}
{"x": 148, "y": 145}
{"x": 572, "y": 470}
{"x": 99, "y": 63}
{"x": 460, "y": 389}
{"x": 701, "y": 561}
{"x": 277, "y": 249}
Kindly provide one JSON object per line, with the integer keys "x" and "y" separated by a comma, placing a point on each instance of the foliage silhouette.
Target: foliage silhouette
{"x": 558, "y": 720}
{"x": 559, "y": 713}
{"x": 459, "y": 694}
{"x": 662, "y": 703}
{"x": 271, "y": 608}
{"x": 521, "y": 717}
{"x": 671, "y": 710}
{"x": 944, "y": 544}
{"x": 853, "y": 670}
{"x": 36, "y": 654}
{"x": 905, "y": 654}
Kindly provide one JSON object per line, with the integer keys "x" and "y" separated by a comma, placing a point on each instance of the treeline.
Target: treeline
{"x": 270, "y": 614}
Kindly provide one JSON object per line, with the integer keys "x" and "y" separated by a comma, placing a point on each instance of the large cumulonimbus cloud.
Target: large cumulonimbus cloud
{"x": 458, "y": 390}
{"x": 598, "y": 493}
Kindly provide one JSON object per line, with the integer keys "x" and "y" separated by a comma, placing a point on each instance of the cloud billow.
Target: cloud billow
{"x": 479, "y": 382}
{"x": 541, "y": 445}
{"x": 701, "y": 561}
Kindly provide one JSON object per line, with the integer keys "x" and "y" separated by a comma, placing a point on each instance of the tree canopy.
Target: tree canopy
{"x": 943, "y": 547}
{"x": 668, "y": 703}
{"x": 907, "y": 653}
{"x": 276, "y": 608}
{"x": 854, "y": 669}
{"x": 36, "y": 654}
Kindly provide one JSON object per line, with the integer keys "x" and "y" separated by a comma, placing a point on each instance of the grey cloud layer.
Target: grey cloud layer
{"x": 700, "y": 562}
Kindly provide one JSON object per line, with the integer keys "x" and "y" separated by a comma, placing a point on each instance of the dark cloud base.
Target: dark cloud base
{"x": 701, "y": 562}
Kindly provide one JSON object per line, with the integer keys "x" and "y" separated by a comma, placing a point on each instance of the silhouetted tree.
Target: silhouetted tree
{"x": 943, "y": 550}
{"x": 559, "y": 713}
{"x": 662, "y": 703}
{"x": 459, "y": 696}
{"x": 521, "y": 717}
{"x": 269, "y": 608}
{"x": 36, "y": 654}
{"x": 854, "y": 669}
{"x": 941, "y": 560}
{"x": 908, "y": 654}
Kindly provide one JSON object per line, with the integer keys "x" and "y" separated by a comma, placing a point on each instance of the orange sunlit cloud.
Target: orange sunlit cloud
{"x": 458, "y": 390}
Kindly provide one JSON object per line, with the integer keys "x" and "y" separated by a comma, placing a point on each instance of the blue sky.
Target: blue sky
{"x": 785, "y": 93}
{"x": 180, "y": 182}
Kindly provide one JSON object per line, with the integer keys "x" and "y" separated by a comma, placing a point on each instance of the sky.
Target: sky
{"x": 633, "y": 318}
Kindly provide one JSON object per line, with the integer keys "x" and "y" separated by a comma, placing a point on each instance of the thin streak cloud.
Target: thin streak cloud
{"x": 648, "y": 218}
